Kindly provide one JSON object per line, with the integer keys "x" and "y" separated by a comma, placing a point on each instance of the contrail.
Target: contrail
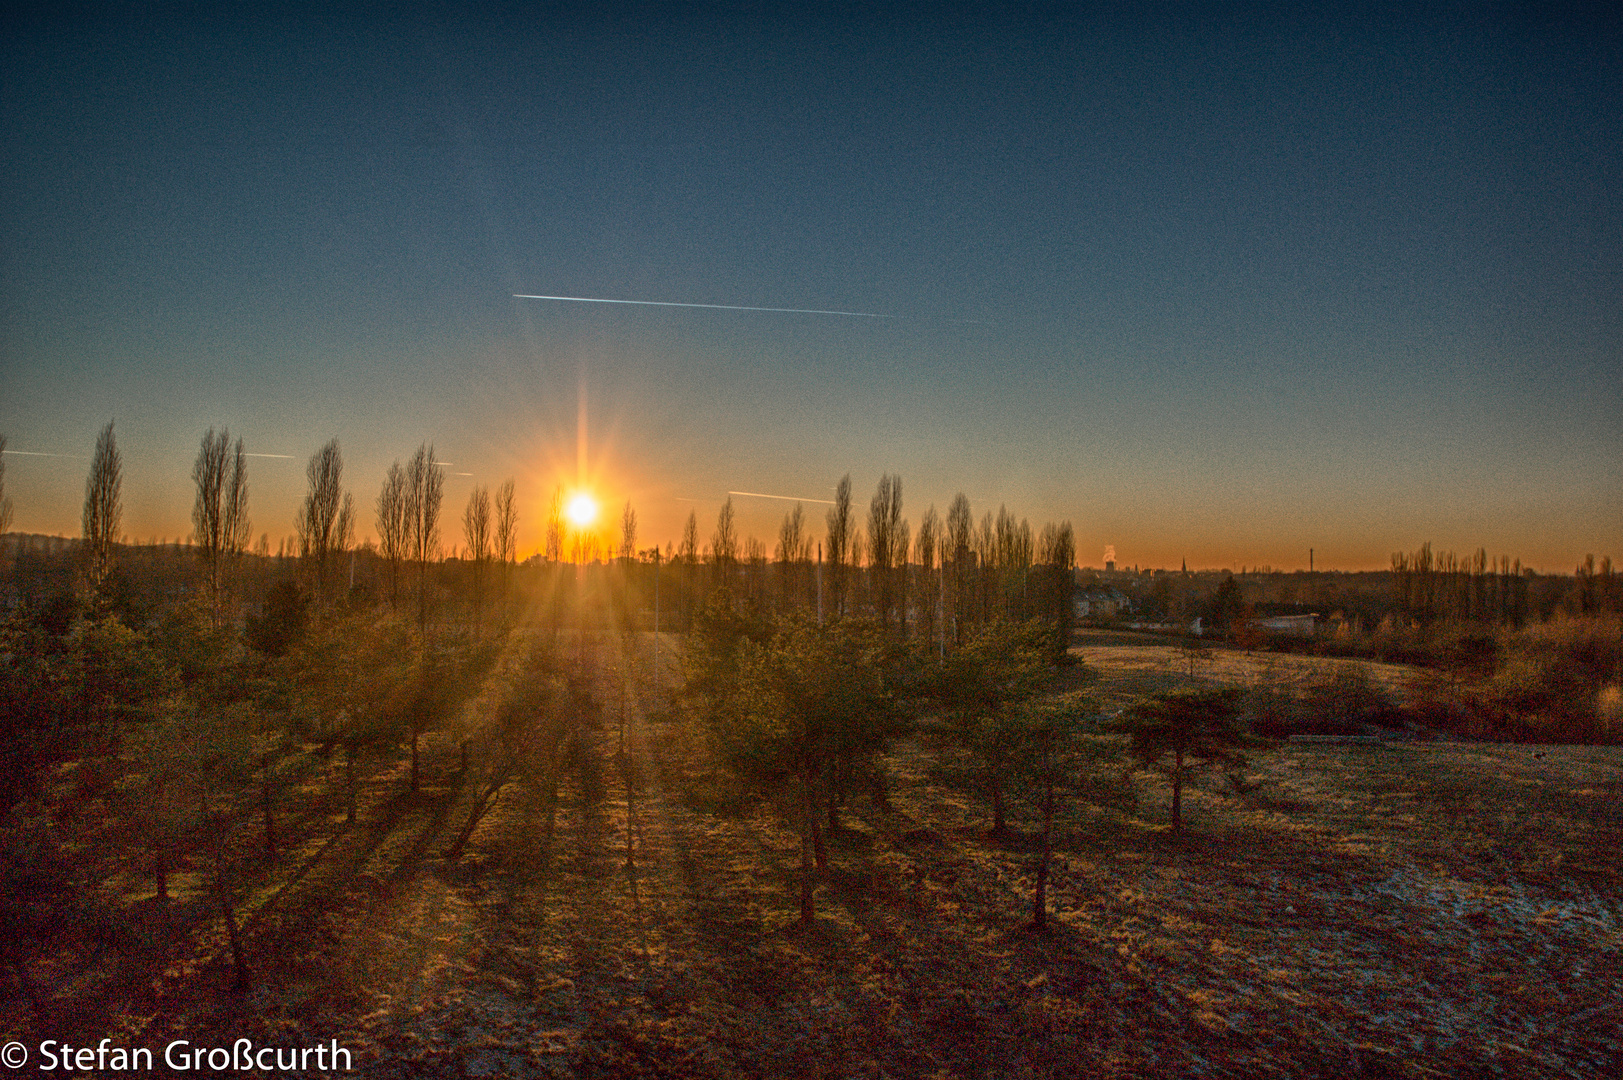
{"x": 717, "y": 307}
{"x": 288, "y": 456}
{"x": 41, "y": 453}
{"x": 786, "y": 498}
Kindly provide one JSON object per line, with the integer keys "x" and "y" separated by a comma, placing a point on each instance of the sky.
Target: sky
{"x": 1216, "y": 285}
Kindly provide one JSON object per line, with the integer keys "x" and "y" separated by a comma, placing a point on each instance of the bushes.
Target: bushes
{"x": 1557, "y": 683}
{"x": 1342, "y": 700}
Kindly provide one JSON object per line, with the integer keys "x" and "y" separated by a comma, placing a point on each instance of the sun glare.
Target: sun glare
{"x": 582, "y": 510}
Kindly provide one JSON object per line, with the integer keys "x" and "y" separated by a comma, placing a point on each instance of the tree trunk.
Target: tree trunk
{"x": 239, "y": 961}
{"x": 631, "y": 828}
{"x": 349, "y": 770}
{"x": 483, "y": 804}
{"x": 1177, "y": 792}
{"x": 819, "y": 845}
{"x": 1039, "y": 906}
{"x": 270, "y": 816}
{"x": 808, "y": 831}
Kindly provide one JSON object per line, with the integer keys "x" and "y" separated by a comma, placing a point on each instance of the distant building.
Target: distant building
{"x": 1099, "y": 603}
{"x": 1305, "y": 626}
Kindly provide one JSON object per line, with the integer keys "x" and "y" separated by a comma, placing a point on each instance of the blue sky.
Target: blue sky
{"x": 1211, "y": 286}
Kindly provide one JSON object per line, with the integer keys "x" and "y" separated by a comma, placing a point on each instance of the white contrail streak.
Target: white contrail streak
{"x": 717, "y": 307}
{"x": 41, "y": 453}
{"x": 785, "y": 498}
{"x": 288, "y": 456}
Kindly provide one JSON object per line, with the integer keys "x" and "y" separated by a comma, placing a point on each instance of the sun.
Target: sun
{"x": 582, "y": 510}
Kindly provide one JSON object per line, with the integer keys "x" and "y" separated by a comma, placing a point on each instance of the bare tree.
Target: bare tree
{"x": 794, "y": 554}
{"x": 220, "y": 512}
{"x": 425, "y": 489}
{"x": 689, "y": 554}
{"x": 986, "y": 565}
{"x": 840, "y": 528}
{"x": 555, "y": 527}
{"x": 326, "y": 520}
{"x": 724, "y": 542}
{"x": 960, "y": 543}
{"x": 901, "y": 544}
{"x": 5, "y": 502}
{"x": 628, "y": 533}
{"x": 1056, "y": 552}
{"x": 476, "y": 530}
{"x": 1012, "y": 545}
{"x": 924, "y": 549}
{"x": 884, "y": 530}
{"x": 392, "y": 546}
{"x": 103, "y": 506}
{"x": 506, "y": 531}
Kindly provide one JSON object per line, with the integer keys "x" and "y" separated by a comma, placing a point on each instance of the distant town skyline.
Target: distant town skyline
{"x": 1215, "y": 287}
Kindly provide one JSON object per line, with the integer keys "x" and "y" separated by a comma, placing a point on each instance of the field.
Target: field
{"x": 1421, "y": 908}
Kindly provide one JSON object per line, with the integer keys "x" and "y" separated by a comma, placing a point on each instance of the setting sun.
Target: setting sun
{"x": 582, "y": 510}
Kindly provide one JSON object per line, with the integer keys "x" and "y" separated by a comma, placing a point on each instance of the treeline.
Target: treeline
{"x": 935, "y": 581}
{"x": 1429, "y": 588}
{"x": 1475, "y": 588}
{"x": 935, "y": 584}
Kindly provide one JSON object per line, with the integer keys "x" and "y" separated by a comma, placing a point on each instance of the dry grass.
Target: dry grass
{"x": 1429, "y": 909}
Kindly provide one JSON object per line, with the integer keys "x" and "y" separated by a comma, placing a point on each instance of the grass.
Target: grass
{"x": 1417, "y": 909}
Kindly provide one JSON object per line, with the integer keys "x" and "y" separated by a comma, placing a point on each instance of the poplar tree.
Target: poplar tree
{"x": 838, "y": 543}
{"x": 506, "y": 532}
{"x": 103, "y": 506}
{"x": 392, "y": 527}
{"x": 794, "y": 553}
{"x": 220, "y": 523}
{"x": 724, "y": 542}
{"x": 5, "y": 500}
{"x": 1056, "y": 551}
{"x": 884, "y": 530}
{"x": 960, "y": 540}
{"x": 628, "y": 533}
{"x": 555, "y": 526}
{"x": 924, "y": 551}
{"x": 476, "y": 531}
{"x": 425, "y": 489}
{"x": 689, "y": 554}
{"x": 325, "y": 523}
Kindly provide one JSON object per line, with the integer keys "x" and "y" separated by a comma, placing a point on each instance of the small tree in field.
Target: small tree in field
{"x": 800, "y": 697}
{"x": 982, "y": 690}
{"x": 1183, "y": 731}
{"x": 781, "y": 707}
{"x": 1061, "y": 758}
